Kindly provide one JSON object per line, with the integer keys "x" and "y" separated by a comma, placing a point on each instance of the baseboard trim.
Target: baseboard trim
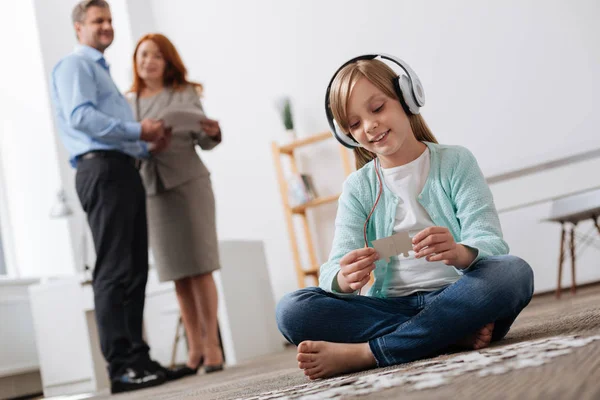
{"x": 566, "y": 289}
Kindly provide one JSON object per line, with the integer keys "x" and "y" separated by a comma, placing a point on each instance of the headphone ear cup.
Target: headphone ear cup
{"x": 400, "y": 95}
{"x": 406, "y": 93}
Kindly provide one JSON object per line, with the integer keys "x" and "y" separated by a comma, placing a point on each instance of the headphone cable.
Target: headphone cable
{"x": 376, "y": 161}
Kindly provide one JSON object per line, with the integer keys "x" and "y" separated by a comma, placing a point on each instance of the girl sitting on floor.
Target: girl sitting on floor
{"x": 458, "y": 285}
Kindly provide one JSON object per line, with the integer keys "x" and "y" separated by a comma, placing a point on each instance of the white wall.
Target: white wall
{"x": 5, "y": 220}
{"x": 30, "y": 177}
{"x": 514, "y": 81}
{"x": 141, "y": 19}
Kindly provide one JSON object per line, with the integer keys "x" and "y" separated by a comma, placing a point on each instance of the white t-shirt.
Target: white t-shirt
{"x": 409, "y": 274}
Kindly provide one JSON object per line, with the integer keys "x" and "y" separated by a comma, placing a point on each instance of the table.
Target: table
{"x": 570, "y": 211}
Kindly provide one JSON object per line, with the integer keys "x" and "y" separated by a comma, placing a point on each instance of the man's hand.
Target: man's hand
{"x": 210, "y": 127}
{"x": 437, "y": 244}
{"x": 356, "y": 268}
{"x": 152, "y": 130}
{"x": 161, "y": 144}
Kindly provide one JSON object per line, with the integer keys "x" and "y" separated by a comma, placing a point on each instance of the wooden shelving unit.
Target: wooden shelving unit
{"x": 300, "y": 211}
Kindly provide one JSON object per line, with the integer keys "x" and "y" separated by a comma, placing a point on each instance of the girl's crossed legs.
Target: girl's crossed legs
{"x": 337, "y": 334}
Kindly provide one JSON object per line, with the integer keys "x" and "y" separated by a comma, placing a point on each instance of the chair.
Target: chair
{"x": 179, "y": 333}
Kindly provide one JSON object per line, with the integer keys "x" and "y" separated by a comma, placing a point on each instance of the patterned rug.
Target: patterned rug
{"x": 434, "y": 373}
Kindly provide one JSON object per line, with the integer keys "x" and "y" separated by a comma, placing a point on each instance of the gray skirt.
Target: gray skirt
{"x": 182, "y": 231}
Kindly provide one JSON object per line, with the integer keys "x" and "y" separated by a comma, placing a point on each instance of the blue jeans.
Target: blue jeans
{"x": 404, "y": 329}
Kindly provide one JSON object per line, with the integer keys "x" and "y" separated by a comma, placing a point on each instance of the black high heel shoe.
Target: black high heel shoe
{"x": 184, "y": 370}
{"x": 213, "y": 368}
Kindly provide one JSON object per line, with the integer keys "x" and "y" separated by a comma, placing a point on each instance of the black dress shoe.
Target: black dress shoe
{"x": 133, "y": 379}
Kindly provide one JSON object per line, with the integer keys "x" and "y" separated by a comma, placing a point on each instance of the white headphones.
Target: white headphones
{"x": 408, "y": 89}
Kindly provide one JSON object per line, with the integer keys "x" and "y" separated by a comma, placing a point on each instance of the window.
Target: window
{"x": 2, "y": 263}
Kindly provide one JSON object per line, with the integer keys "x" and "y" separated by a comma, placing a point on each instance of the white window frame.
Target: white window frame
{"x": 11, "y": 269}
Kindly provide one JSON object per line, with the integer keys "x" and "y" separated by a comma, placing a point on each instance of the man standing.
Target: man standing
{"x": 103, "y": 140}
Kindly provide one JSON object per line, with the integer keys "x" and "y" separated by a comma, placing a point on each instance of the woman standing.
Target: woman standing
{"x": 181, "y": 205}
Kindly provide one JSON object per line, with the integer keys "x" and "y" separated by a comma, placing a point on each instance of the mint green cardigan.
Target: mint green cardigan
{"x": 455, "y": 196}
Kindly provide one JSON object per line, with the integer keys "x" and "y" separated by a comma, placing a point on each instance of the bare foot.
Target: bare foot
{"x": 479, "y": 339}
{"x": 326, "y": 359}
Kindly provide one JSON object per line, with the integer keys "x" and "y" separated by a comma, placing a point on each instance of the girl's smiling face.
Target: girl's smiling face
{"x": 378, "y": 122}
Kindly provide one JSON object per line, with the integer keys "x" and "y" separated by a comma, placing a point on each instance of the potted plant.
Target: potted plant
{"x": 284, "y": 106}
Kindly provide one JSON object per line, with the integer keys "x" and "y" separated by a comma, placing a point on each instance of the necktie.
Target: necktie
{"x": 104, "y": 64}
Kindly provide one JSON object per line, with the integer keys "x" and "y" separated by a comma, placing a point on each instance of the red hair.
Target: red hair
{"x": 175, "y": 75}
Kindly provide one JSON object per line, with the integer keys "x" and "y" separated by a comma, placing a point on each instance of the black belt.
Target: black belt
{"x": 109, "y": 154}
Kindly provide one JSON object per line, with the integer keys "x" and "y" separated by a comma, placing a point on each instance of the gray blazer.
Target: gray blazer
{"x": 179, "y": 163}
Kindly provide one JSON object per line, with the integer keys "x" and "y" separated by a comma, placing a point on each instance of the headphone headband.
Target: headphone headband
{"x": 410, "y": 92}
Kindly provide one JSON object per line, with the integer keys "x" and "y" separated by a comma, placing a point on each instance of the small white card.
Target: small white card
{"x": 393, "y": 245}
{"x": 184, "y": 120}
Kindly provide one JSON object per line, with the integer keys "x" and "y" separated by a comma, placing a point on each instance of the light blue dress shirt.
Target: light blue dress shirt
{"x": 92, "y": 113}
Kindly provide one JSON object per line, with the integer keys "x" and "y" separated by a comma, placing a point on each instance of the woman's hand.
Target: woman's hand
{"x": 356, "y": 268}
{"x": 161, "y": 144}
{"x": 210, "y": 127}
{"x": 437, "y": 244}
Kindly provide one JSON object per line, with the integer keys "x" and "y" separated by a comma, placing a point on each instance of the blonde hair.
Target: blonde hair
{"x": 382, "y": 76}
